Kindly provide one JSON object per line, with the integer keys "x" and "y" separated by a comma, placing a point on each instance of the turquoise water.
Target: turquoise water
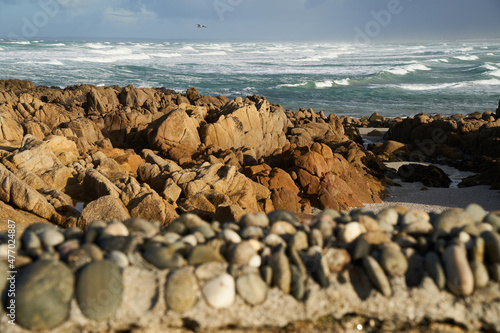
{"x": 393, "y": 79}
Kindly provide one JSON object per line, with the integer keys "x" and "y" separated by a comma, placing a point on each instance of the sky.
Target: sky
{"x": 234, "y": 20}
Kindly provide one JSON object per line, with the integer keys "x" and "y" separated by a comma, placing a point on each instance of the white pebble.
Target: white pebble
{"x": 220, "y": 291}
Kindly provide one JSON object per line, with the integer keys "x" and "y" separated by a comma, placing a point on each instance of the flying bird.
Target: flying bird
{"x": 201, "y": 26}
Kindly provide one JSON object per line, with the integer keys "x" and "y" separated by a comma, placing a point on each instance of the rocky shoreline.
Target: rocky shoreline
{"x": 245, "y": 196}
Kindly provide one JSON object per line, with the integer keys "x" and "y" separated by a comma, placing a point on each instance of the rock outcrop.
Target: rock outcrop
{"x": 158, "y": 153}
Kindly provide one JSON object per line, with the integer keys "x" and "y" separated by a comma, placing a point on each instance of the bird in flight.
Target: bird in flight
{"x": 201, "y": 26}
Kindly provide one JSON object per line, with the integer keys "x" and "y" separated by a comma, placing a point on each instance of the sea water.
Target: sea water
{"x": 394, "y": 79}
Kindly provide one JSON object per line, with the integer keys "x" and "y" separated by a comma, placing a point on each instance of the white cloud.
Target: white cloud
{"x": 124, "y": 17}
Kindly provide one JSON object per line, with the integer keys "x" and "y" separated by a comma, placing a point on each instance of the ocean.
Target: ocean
{"x": 393, "y": 79}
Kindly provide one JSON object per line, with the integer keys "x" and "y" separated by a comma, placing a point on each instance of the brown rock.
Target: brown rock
{"x": 105, "y": 208}
{"x": 284, "y": 199}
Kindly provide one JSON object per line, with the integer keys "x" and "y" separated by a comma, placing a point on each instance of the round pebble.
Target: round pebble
{"x": 143, "y": 227}
{"x": 231, "y": 236}
{"x": 476, "y": 212}
{"x": 255, "y": 220}
{"x": 283, "y": 228}
{"x": 243, "y": 253}
{"x": 119, "y": 258}
{"x": 388, "y": 216}
{"x": 203, "y": 253}
{"x": 220, "y": 292}
{"x": 99, "y": 289}
{"x": 393, "y": 261}
{"x": 251, "y": 288}
{"x": 30, "y": 241}
{"x": 163, "y": 257}
{"x": 115, "y": 229}
{"x": 450, "y": 219}
{"x": 300, "y": 241}
{"x": 181, "y": 290}
{"x": 283, "y": 215}
{"x": 52, "y": 237}
{"x": 492, "y": 245}
{"x": 43, "y": 294}
{"x": 351, "y": 231}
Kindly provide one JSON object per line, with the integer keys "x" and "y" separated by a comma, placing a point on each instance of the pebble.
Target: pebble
{"x": 493, "y": 219}
{"x": 66, "y": 247}
{"x": 142, "y": 227}
{"x": 416, "y": 221}
{"x": 283, "y": 215}
{"x": 115, "y": 229}
{"x": 298, "y": 288}
{"x": 274, "y": 240}
{"x": 31, "y": 241}
{"x": 377, "y": 276}
{"x": 266, "y": 273}
{"x": 172, "y": 237}
{"x": 205, "y": 230}
{"x": 281, "y": 270}
{"x": 94, "y": 229}
{"x": 119, "y": 258}
{"x": 231, "y": 236}
{"x": 99, "y": 289}
{"x": 255, "y": 220}
{"x": 52, "y": 237}
{"x": 190, "y": 239}
{"x": 435, "y": 269}
{"x": 243, "y": 253}
{"x": 460, "y": 279}
{"x": 163, "y": 257}
{"x": 191, "y": 221}
{"x": 176, "y": 227}
{"x": 492, "y": 245}
{"x": 73, "y": 233}
{"x": 369, "y": 223}
{"x": 325, "y": 224}
{"x": 252, "y": 288}
{"x": 351, "y": 231}
{"x": 300, "y": 241}
{"x": 219, "y": 292}
{"x": 181, "y": 290}
{"x": 361, "y": 249}
{"x": 476, "y": 212}
{"x": 480, "y": 273}
{"x": 252, "y": 233}
{"x": 494, "y": 270}
{"x": 283, "y": 228}
{"x": 337, "y": 259}
{"x": 451, "y": 219}
{"x": 255, "y": 261}
{"x": 43, "y": 294}
{"x": 393, "y": 261}
{"x": 204, "y": 253}
{"x": 316, "y": 238}
{"x": 388, "y": 216}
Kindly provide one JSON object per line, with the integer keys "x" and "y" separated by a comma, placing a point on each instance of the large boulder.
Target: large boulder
{"x": 105, "y": 208}
{"x": 175, "y": 130}
{"x": 220, "y": 181}
{"x": 252, "y": 125}
{"x": 15, "y": 192}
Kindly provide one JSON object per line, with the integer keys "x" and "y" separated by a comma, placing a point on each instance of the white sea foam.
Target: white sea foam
{"x": 189, "y": 49}
{"x": 95, "y": 46}
{"x": 490, "y": 54}
{"x": 112, "y": 59}
{"x": 408, "y": 69}
{"x": 495, "y": 73}
{"x": 57, "y": 44}
{"x": 440, "y": 60}
{"x": 114, "y": 51}
{"x": 422, "y": 87}
{"x": 342, "y": 82}
{"x": 215, "y": 53}
{"x": 467, "y": 58}
{"x": 1, "y": 49}
{"x": 166, "y": 55}
{"x": 323, "y": 84}
{"x": 292, "y": 84}
{"x": 21, "y": 42}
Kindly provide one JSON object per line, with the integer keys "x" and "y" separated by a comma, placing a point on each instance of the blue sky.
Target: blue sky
{"x": 250, "y": 19}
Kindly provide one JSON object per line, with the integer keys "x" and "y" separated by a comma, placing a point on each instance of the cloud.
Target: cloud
{"x": 124, "y": 17}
